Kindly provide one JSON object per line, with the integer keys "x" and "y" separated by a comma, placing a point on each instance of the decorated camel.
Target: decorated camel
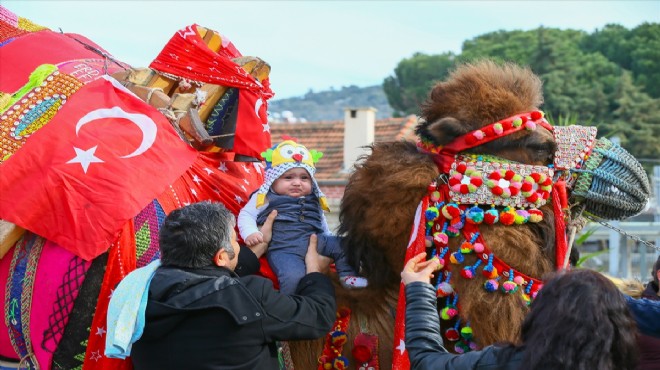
{"x": 62, "y": 260}
{"x": 494, "y": 191}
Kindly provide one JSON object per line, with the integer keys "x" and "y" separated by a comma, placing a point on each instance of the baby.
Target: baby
{"x": 291, "y": 189}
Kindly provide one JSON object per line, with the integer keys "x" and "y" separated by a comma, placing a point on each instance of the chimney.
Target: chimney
{"x": 358, "y": 132}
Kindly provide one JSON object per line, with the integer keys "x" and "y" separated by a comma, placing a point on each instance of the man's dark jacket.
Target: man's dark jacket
{"x": 210, "y": 318}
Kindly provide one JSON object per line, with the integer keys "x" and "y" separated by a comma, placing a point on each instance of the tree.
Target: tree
{"x": 413, "y": 79}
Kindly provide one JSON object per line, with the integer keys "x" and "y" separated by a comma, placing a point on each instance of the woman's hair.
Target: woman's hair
{"x": 579, "y": 320}
{"x": 656, "y": 267}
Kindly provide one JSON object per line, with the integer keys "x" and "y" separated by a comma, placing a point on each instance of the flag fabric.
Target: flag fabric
{"x": 200, "y": 63}
{"x": 103, "y": 157}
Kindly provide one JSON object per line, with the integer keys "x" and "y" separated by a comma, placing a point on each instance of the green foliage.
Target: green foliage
{"x": 609, "y": 78}
{"x": 413, "y": 79}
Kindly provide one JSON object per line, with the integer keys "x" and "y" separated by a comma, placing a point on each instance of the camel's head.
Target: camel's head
{"x": 465, "y": 113}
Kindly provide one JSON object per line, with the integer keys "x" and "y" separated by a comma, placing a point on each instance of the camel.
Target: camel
{"x": 381, "y": 201}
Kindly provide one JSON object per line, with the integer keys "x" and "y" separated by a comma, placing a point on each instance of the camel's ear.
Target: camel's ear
{"x": 445, "y": 130}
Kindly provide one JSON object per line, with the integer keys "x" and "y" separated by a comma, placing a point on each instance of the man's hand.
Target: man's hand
{"x": 312, "y": 256}
{"x": 259, "y": 249}
{"x": 415, "y": 270}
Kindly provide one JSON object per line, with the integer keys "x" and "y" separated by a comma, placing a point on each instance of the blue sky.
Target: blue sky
{"x": 322, "y": 44}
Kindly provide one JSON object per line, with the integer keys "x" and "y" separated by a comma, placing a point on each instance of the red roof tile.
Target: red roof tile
{"x": 328, "y": 137}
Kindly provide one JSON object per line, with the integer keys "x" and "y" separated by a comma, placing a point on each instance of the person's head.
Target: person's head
{"x": 579, "y": 320}
{"x": 295, "y": 182}
{"x": 199, "y": 235}
{"x": 290, "y": 171}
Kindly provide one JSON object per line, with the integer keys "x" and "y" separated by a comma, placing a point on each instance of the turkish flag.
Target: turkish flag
{"x": 252, "y": 135}
{"x": 103, "y": 157}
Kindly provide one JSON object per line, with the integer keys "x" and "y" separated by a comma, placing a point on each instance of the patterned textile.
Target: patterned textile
{"x": 121, "y": 261}
{"x": 70, "y": 353}
{"x": 147, "y": 224}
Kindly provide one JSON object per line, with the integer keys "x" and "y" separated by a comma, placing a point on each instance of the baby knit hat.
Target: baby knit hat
{"x": 287, "y": 155}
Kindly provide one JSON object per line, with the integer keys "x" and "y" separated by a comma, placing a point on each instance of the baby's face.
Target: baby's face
{"x": 295, "y": 182}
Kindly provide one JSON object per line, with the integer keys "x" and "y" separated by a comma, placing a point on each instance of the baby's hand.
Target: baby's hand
{"x": 254, "y": 239}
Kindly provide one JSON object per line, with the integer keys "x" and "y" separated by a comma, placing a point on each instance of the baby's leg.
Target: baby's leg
{"x": 288, "y": 267}
{"x": 329, "y": 246}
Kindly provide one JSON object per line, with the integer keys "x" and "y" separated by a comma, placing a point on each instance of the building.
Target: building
{"x": 342, "y": 143}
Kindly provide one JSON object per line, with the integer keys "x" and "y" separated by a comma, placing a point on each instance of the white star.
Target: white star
{"x": 111, "y": 292}
{"x": 246, "y": 182}
{"x": 100, "y": 331}
{"x": 244, "y": 189}
{"x": 193, "y": 192}
{"x": 85, "y": 157}
{"x": 186, "y": 203}
{"x": 402, "y": 346}
{"x": 223, "y": 167}
{"x": 246, "y": 169}
{"x": 96, "y": 356}
{"x": 196, "y": 179}
{"x": 208, "y": 170}
{"x": 238, "y": 199}
{"x": 266, "y": 127}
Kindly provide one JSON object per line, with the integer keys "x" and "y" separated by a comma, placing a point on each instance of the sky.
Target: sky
{"x": 319, "y": 45}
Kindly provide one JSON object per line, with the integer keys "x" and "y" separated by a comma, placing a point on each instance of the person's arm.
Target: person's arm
{"x": 646, "y": 313}
{"x": 248, "y": 259}
{"x": 247, "y": 218}
{"x": 309, "y": 313}
{"x": 422, "y": 337}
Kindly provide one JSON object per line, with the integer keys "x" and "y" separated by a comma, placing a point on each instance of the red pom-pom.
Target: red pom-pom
{"x": 361, "y": 353}
{"x": 524, "y": 119}
{"x": 533, "y": 198}
{"x": 545, "y": 194}
{"x": 536, "y": 115}
{"x": 464, "y": 189}
{"x": 506, "y": 125}
{"x": 525, "y": 186}
{"x": 477, "y": 181}
{"x": 343, "y": 311}
{"x": 536, "y": 176}
{"x": 470, "y": 140}
{"x": 452, "y": 334}
{"x": 546, "y": 182}
{"x": 454, "y": 181}
{"x": 488, "y": 131}
{"x": 514, "y": 191}
{"x": 461, "y": 168}
{"x": 497, "y": 190}
{"x": 494, "y": 175}
{"x": 509, "y": 175}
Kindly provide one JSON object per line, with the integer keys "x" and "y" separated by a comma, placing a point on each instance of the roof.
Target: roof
{"x": 328, "y": 137}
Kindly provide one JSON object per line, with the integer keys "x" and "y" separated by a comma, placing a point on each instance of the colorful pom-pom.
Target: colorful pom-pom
{"x": 521, "y": 217}
{"x": 474, "y": 215}
{"x": 466, "y": 333}
{"x": 456, "y": 258}
{"x": 467, "y": 272}
{"x": 444, "y": 289}
{"x": 452, "y": 335}
{"x": 441, "y": 239}
{"x": 340, "y": 363}
{"x": 338, "y": 338}
{"x": 454, "y": 230}
{"x": 536, "y": 115}
{"x": 530, "y": 125}
{"x": 448, "y": 313}
{"x": 361, "y": 353}
{"x": 478, "y": 134}
{"x": 507, "y": 216}
{"x": 435, "y": 196}
{"x": 519, "y": 280}
{"x": 535, "y": 215}
{"x": 478, "y": 247}
{"x": 451, "y": 211}
{"x": 491, "y": 216}
{"x": 491, "y": 285}
{"x": 431, "y": 213}
{"x": 428, "y": 242}
{"x": 509, "y": 287}
{"x": 466, "y": 247}
{"x": 517, "y": 122}
{"x": 498, "y": 128}
{"x": 490, "y": 272}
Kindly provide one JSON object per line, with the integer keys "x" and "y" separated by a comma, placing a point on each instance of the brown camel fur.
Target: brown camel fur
{"x": 380, "y": 200}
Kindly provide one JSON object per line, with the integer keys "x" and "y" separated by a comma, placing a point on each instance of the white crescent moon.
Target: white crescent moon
{"x": 146, "y": 125}
{"x": 257, "y": 106}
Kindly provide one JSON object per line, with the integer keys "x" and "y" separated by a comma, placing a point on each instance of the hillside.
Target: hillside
{"x": 329, "y": 105}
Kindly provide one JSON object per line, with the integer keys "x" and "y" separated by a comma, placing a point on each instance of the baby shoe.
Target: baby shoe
{"x": 353, "y": 282}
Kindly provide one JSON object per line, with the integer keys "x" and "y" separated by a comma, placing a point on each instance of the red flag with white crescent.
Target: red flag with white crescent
{"x": 99, "y": 161}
